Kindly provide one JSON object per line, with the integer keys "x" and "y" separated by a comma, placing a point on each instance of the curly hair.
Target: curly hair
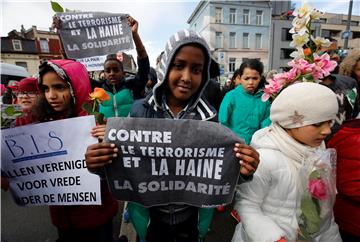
{"x": 347, "y": 66}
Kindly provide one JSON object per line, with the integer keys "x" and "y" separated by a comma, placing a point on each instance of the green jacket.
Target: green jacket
{"x": 244, "y": 113}
{"x": 119, "y": 104}
{"x": 140, "y": 219}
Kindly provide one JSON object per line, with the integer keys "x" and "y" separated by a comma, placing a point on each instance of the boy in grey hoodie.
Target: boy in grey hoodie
{"x": 183, "y": 74}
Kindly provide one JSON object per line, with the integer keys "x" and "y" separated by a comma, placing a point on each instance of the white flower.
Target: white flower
{"x": 298, "y": 54}
{"x": 316, "y": 14}
{"x": 321, "y": 42}
{"x": 303, "y": 11}
{"x": 299, "y": 24}
{"x": 299, "y": 39}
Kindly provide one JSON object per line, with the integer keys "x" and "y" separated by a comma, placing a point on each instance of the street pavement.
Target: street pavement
{"x": 25, "y": 224}
{"x": 33, "y": 224}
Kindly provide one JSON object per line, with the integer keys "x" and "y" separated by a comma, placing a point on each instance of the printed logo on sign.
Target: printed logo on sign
{"x": 42, "y": 147}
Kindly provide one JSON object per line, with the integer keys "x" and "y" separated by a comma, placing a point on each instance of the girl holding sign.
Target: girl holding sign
{"x": 183, "y": 74}
{"x": 65, "y": 86}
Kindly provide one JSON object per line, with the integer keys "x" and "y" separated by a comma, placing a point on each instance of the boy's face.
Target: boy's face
{"x": 113, "y": 72}
{"x": 185, "y": 75}
{"x": 312, "y": 135}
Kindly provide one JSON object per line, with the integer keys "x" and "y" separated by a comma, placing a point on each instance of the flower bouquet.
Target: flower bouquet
{"x": 98, "y": 96}
{"x": 310, "y": 63}
{"x": 319, "y": 185}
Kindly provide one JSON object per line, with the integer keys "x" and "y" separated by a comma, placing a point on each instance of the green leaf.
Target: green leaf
{"x": 10, "y": 111}
{"x": 311, "y": 214}
{"x": 315, "y": 175}
{"x": 56, "y": 7}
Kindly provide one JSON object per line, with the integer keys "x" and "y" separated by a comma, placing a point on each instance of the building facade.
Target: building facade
{"x": 29, "y": 48}
{"x": 235, "y": 31}
{"x": 330, "y": 25}
{"x": 20, "y": 51}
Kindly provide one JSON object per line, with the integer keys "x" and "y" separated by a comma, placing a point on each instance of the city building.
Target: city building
{"x": 29, "y": 48}
{"x": 235, "y": 31}
{"x": 20, "y": 51}
{"x": 47, "y": 42}
{"x": 330, "y": 25}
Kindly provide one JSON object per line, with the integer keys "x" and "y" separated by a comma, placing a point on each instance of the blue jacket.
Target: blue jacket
{"x": 244, "y": 113}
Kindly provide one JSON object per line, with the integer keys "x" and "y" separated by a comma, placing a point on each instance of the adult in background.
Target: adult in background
{"x": 350, "y": 66}
{"x": 212, "y": 91}
{"x": 347, "y": 205}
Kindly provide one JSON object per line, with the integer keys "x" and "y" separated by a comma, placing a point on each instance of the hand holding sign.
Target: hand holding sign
{"x": 100, "y": 154}
{"x": 133, "y": 24}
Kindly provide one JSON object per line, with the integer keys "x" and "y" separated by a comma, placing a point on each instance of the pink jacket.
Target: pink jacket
{"x": 89, "y": 216}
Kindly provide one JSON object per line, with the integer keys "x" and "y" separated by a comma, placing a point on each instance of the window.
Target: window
{"x": 285, "y": 35}
{"x": 232, "y": 16}
{"x": 44, "y": 46}
{"x": 17, "y": 44}
{"x": 232, "y": 63}
{"x": 352, "y": 23}
{"x": 259, "y": 17}
{"x": 246, "y": 16}
{"x": 245, "y": 40}
{"x": 21, "y": 63}
{"x": 325, "y": 33}
{"x": 258, "y": 41}
{"x": 285, "y": 53}
{"x": 232, "y": 40}
{"x": 218, "y": 15}
{"x": 218, "y": 40}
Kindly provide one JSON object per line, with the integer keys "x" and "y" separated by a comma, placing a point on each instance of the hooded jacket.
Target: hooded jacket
{"x": 153, "y": 106}
{"x": 268, "y": 205}
{"x": 244, "y": 113}
{"x": 79, "y": 216}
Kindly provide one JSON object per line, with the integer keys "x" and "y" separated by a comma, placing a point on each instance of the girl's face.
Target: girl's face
{"x": 113, "y": 72}
{"x": 312, "y": 135}
{"x": 357, "y": 70}
{"x": 57, "y": 91}
{"x": 250, "y": 79}
{"x": 185, "y": 75}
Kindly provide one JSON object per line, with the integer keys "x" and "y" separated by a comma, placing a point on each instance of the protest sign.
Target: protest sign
{"x": 45, "y": 163}
{"x": 164, "y": 161}
{"x": 94, "y": 34}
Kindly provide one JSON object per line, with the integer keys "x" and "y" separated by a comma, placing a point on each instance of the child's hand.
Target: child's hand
{"x": 249, "y": 159}
{"x": 133, "y": 24}
{"x": 98, "y": 131}
{"x": 100, "y": 154}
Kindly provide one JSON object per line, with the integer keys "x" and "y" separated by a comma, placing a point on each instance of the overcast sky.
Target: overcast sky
{"x": 158, "y": 19}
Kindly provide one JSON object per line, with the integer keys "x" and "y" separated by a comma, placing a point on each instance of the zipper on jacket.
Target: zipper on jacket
{"x": 114, "y": 101}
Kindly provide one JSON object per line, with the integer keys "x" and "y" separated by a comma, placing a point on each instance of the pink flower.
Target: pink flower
{"x": 323, "y": 66}
{"x": 317, "y": 189}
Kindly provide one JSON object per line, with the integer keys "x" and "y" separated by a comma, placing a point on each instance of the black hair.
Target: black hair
{"x": 254, "y": 64}
{"x": 112, "y": 57}
{"x": 214, "y": 69}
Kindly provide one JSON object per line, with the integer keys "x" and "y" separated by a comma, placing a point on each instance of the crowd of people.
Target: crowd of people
{"x": 283, "y": 138}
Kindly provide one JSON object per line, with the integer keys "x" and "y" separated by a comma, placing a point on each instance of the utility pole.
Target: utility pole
{"x": 346, "y": 41}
